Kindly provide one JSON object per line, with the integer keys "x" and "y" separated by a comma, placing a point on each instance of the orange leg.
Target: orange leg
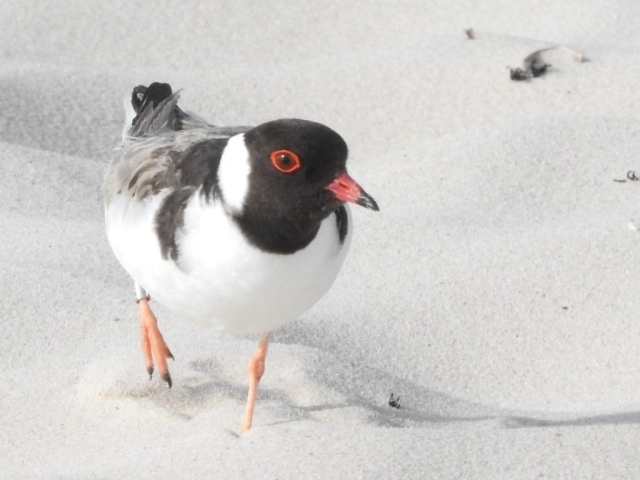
{"x": 256, "y": 370}
{"x": 153, "y": 345}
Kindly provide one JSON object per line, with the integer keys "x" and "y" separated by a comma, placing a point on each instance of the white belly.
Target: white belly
{"x": 220, "y": 280}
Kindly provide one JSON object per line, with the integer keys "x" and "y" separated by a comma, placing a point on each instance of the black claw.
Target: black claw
{"x": 150, "y": 372}
{"x": 167, "y": 378}
{"x": 171, "y": 356}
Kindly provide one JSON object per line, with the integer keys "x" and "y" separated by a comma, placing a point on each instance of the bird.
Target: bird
{"x": 238, "y": 228}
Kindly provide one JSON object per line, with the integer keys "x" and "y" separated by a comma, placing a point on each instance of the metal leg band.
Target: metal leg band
{"x": 140, "y": 293}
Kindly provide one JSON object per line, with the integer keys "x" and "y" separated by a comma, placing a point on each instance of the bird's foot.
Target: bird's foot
{"x": 255, "y": 370}
{"x": 153, "y": 345}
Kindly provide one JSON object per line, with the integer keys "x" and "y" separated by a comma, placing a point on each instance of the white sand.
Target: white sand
{"x": 496, "y": 292}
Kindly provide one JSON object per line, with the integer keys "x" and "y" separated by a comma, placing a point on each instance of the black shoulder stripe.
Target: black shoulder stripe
{"x": 342, "y": 222}
{"x": 198, "y": 166}
{"x": 170, "y": 219}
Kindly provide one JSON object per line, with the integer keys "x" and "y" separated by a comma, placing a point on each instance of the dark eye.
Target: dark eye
{"x": 285, "y": 161}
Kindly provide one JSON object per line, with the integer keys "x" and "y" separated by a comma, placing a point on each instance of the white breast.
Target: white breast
{"x": 221, "y": 280}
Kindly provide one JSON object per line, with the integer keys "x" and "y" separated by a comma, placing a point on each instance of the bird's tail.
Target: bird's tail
{"x": 154, "y": 109}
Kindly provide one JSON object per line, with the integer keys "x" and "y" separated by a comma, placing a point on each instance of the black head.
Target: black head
{"x": 294, "y": 168}
{"x": 292, "y": 162}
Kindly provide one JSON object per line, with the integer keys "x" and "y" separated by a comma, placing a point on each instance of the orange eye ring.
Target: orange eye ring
{"x": 285, "y": 161}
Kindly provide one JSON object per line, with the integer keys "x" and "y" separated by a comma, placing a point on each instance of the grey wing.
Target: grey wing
{"x": 164, "y": 146}
{"x": 144, "y": 166}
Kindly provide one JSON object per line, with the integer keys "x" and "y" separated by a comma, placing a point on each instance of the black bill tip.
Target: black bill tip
{"x": 365, "y": 200}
